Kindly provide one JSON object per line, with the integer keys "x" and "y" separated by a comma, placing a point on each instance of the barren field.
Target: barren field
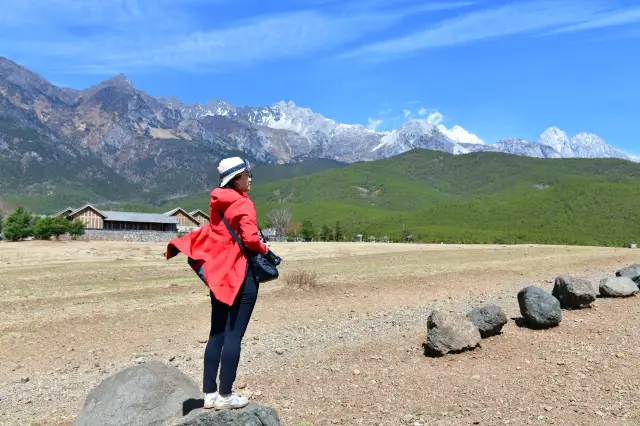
{"x": 348, "y": 351}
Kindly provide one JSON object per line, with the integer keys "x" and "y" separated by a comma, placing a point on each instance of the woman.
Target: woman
{"x": 222, "y": 265}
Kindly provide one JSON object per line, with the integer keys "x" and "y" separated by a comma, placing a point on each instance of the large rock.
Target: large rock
{"x": 251, "y": 415}
{"x": 618, "y": 287}
{"x": 632, "y": 272}
{"x": 574, "y": 292}
{"x": 157, "y": 394}
{"x": 539, "y": 308}
{"x": 449, "y": 332}
{"x": 489, "y": 319}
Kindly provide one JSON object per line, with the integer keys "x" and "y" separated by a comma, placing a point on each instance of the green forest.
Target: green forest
{"x": 432, "y": 196}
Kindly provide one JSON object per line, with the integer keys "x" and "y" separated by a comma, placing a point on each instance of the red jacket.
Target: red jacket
{"x": 225, "y": 264}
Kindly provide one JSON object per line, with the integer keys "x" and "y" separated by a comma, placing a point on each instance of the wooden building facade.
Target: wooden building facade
{"x": 186, "y": 222}
{"x": 121, "y": 221}
{"x": 201, "y": 217}
{"x": 175, "y": 220}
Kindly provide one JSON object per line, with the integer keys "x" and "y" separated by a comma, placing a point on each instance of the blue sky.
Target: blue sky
{"x": 496, "y": 68}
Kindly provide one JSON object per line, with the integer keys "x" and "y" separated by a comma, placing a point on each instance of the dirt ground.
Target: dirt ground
{"x": 347, "y": 352}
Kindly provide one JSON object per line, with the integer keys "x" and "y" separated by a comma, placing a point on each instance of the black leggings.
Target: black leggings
{"x": 228, "y": 324}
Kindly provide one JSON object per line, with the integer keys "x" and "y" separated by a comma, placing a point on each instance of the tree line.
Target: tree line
{"x": 21, "y": 224}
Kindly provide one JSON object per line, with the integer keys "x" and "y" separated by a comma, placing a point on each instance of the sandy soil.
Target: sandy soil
{"x": 346, "y": 352}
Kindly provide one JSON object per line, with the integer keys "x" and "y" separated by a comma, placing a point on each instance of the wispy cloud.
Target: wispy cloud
{"x": 134, "y": 34}
{"x": 514, "y": 18}
{"x": 612, "y": 19}
{"x": 374, "y": 124}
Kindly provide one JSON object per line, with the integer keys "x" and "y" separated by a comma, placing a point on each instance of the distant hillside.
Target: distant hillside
{"x": 481, "y": 197}
{"x": 115, "y": 193}
{"x": 438, "y": 197}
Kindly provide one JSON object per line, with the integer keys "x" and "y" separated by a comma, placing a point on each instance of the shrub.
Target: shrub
{"x": 59, "y": 226}
{"x": 76, "y": 228}
{"x": 19, "y": 225}
{"x": 42, "y": 228}
{"x": 300, "y": 279}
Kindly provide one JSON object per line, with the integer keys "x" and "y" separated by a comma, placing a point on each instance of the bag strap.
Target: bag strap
{"x": 231, "y": 231}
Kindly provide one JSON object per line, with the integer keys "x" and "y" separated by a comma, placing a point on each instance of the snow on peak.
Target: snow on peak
{"x": 460, "y": 135}
{"x": 558, "y": 140}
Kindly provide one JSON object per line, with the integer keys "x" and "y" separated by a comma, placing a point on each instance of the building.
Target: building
{"x": 95, "y": 219}
{"x": 201, "y": 217}
{"x": 186, "y": 222}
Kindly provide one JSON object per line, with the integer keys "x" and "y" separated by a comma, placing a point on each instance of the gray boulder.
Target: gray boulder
{"x": 632, "y": 272}
{"x": 489, "y": 319}
{"x": 449, "y": 332}
{"x": 574, "y": 292}
{"x": 539, "y": 308}
{"x": 618, "y": 287}
{"x": 157, "y": 394}
{"x": 251, "y": 415}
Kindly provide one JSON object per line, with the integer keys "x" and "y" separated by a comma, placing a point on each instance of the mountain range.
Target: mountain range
{"x": 113, "y": 141}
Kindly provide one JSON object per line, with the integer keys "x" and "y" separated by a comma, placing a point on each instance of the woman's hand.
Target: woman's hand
{"x": 273, "y": 258}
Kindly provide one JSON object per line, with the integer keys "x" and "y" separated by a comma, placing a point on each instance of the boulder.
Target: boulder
{"x": 251, "y": 415}
{"x": 157, "y": 394}
{"x": 574, "y": 292}
{"x": 489, "y": 319}
{"x": 618, "y": 287}
{"x": 539, "y": 308}
{"x": 449, "y": 332}
{"x": 632, "y": 272}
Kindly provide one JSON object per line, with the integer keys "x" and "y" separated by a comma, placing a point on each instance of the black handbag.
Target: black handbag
{"x": 263, "y": 270}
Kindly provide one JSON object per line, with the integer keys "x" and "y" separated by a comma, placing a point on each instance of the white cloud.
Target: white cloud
{"x": 422, "y": 112}
{"x": 407, "y": 114}
{"x": 124, "y": 34}
{"x": 506, "y": 20}
{"x": 435, "y": 118}
{"x": 373, "y": 124}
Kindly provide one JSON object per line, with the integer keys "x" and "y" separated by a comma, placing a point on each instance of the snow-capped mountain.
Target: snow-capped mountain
{"x": 328, "y": 138}
{"x": 517, "y": 147}
{"x": 309, "y": 134}
{"x": 460, "y": 135}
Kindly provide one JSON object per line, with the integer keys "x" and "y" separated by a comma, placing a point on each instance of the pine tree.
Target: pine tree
{"x": 307, "y": 231}
{"x": 338, "y": 233}
{"x": 325, "y": 233}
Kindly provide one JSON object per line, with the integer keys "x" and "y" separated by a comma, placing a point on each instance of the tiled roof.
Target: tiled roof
{"x": 138, "y": 217}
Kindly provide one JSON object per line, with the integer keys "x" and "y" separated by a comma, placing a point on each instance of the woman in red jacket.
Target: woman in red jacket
{"x": 223, "y": 267}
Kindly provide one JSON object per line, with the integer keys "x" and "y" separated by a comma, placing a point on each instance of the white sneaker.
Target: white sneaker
{"x": 210, "y": 399}
{"x": 230, "y": 402}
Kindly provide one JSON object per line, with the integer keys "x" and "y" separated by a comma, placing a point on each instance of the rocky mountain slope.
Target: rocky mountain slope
{"x": 112, "y": 137}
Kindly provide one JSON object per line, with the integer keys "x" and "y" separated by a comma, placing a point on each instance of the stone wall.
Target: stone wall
{"x": 137, "y": 236}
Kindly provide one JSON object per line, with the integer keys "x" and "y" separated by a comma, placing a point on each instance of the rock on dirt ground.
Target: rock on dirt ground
{"x": 450, "y": 332}
{"x": 573, "y": 292}
{"x": 632, "y": 271}
{"x": 159, "y": 394}
{"x": 539, "y": 308}
{"x": 618, "y": 287}
{"x": 489, "y": 319}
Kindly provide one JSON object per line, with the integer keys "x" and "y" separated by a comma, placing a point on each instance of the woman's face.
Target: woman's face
{"x": 243, "y": 182}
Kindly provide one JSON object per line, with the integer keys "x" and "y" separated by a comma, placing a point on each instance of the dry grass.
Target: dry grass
{"x": 300, "y": 279}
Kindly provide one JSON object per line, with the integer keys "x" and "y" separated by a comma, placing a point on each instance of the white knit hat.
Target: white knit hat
{"x": 231, "y": 167}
